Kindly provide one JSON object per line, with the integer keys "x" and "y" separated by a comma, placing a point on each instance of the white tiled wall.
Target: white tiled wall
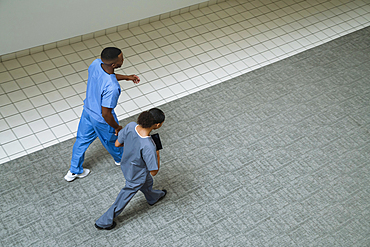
{"x": 41, "y": 94}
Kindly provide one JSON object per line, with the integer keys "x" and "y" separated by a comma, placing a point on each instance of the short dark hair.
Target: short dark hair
{"x": 147, "y": 118}
{"x": 110, "y": 54}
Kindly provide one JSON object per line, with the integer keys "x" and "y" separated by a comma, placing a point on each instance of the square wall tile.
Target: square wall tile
{"x": 11, "y": 64}
{"x": 32, "y": 69}
{"x": 4, "y": 99}
{"x": 39, "y": 100}
{"x": 53, "y": 96}
{"x": 60, "y": 131}
{"x": 53, "y": 74}
{"x": 60, "y": 105}
{"x": 73, "y": 126}
{"x": 68, "y": 115}
{"x": 165, "y": 93}
{"x": 31, "y": 91}
{"x": 39, "y": 57}
{"x": 73, "y": 79}
{"x": 74, "y": 101}
{"x": 46, "y": 110}
{"x": 15, "y": 120}
{"x": 46, "y": 87}
{"x": 37, "y": 78}
{"x": 29, "y": 142}
{"x": 119, "y": 111}
{"x": 13, "y": 147}
{"x": 25, "y": 82}
{"x": 26, "y": 60}
{"x": 145, "y": 88}
{"x": 38, "y": 125}
{"x": 3, "y": 156}
{"x": 22, "y": 131}
{"x": 30, "y": 115}
{"x": 3, "y": 125}
{"x": 129, "y": 106}
{"x": 177, "y": 89}
{"x": 60, "y": 83}
{"x": 134, "y": 92}
{"x": 23, "y": 105}
{"x": 10, "y": 86}
{"x": 188, "y": 85}
{"x": 66, "y": 70}
{"x": 141, "y": 101}
{"x": 7, "y": 136}
{"x": 154, "y": 97}
{"x": 67, "y": 91}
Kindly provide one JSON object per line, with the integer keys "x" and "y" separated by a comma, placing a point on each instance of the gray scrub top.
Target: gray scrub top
{"x": 139, "y": 155}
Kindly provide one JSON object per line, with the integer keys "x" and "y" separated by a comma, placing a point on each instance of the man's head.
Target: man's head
{"x": 112, "y": 56}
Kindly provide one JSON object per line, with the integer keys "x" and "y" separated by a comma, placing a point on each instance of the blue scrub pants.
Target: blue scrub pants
{"x": 124, "y": 197}
{"x": 88, "y": 130}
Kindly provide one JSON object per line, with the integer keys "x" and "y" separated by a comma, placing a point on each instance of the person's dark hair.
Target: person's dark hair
{"x": 147, "y": 118}
{"x": 110, "y": 54}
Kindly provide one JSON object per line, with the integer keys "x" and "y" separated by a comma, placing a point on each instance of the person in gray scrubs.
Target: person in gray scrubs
{"x": 140, "y": 161}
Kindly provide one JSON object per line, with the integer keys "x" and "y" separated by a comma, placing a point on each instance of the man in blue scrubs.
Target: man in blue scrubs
{"x": 98, "y": 117}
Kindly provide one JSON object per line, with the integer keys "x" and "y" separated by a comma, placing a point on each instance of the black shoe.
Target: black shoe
{"x": 106, "y": 228}
{"x": 165, "y": 193}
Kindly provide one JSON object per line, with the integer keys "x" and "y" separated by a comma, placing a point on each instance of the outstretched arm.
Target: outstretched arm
{"x": 133, "y": 78}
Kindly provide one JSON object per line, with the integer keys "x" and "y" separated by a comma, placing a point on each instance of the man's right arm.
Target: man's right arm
{"x": 108, "y": 117}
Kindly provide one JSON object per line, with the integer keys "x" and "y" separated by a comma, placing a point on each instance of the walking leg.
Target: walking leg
{"x": 151, "y": 195}
{"x": 85, "y": 136}
{"x": 123, "y": 198}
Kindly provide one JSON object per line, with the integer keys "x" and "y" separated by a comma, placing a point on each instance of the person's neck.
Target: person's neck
{"x": 107, "y": 68}
{"x": 143, "y": 131}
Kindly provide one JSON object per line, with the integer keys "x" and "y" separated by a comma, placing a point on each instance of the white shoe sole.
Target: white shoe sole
{"x": 82, "y": 175}
{"x": 69, "y": 179}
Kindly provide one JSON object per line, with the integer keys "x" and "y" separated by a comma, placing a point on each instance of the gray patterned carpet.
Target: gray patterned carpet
{"x": 276, "y": 157}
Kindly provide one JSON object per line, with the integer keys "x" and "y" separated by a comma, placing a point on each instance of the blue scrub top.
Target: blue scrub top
{"x": 103, "y": 89}
{"x": 139, "y": 156}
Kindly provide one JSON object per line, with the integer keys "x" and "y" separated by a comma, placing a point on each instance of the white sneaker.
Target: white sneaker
{"x": 71, "y": 176}
{"x": 117, "y": 163}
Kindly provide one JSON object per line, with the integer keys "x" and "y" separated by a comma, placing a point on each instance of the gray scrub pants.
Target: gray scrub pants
{"x": 124, "y": 197}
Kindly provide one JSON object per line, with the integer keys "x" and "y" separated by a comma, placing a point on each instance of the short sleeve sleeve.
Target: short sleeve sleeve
{"x": 150, "y": 158}
{"x": 110, "y": 97}
{"x": 122, "y": 135}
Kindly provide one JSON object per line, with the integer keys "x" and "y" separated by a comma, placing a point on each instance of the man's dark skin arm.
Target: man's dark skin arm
{"x": 107, "y": 112}
{"x": 133, "y": 78}
{"x": 109, "y": 67}
{"x": 108, "y": 117}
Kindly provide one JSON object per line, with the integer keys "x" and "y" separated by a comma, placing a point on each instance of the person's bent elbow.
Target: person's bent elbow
{"x": 117, "y": 144}
{"x": 153, "y": 173}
